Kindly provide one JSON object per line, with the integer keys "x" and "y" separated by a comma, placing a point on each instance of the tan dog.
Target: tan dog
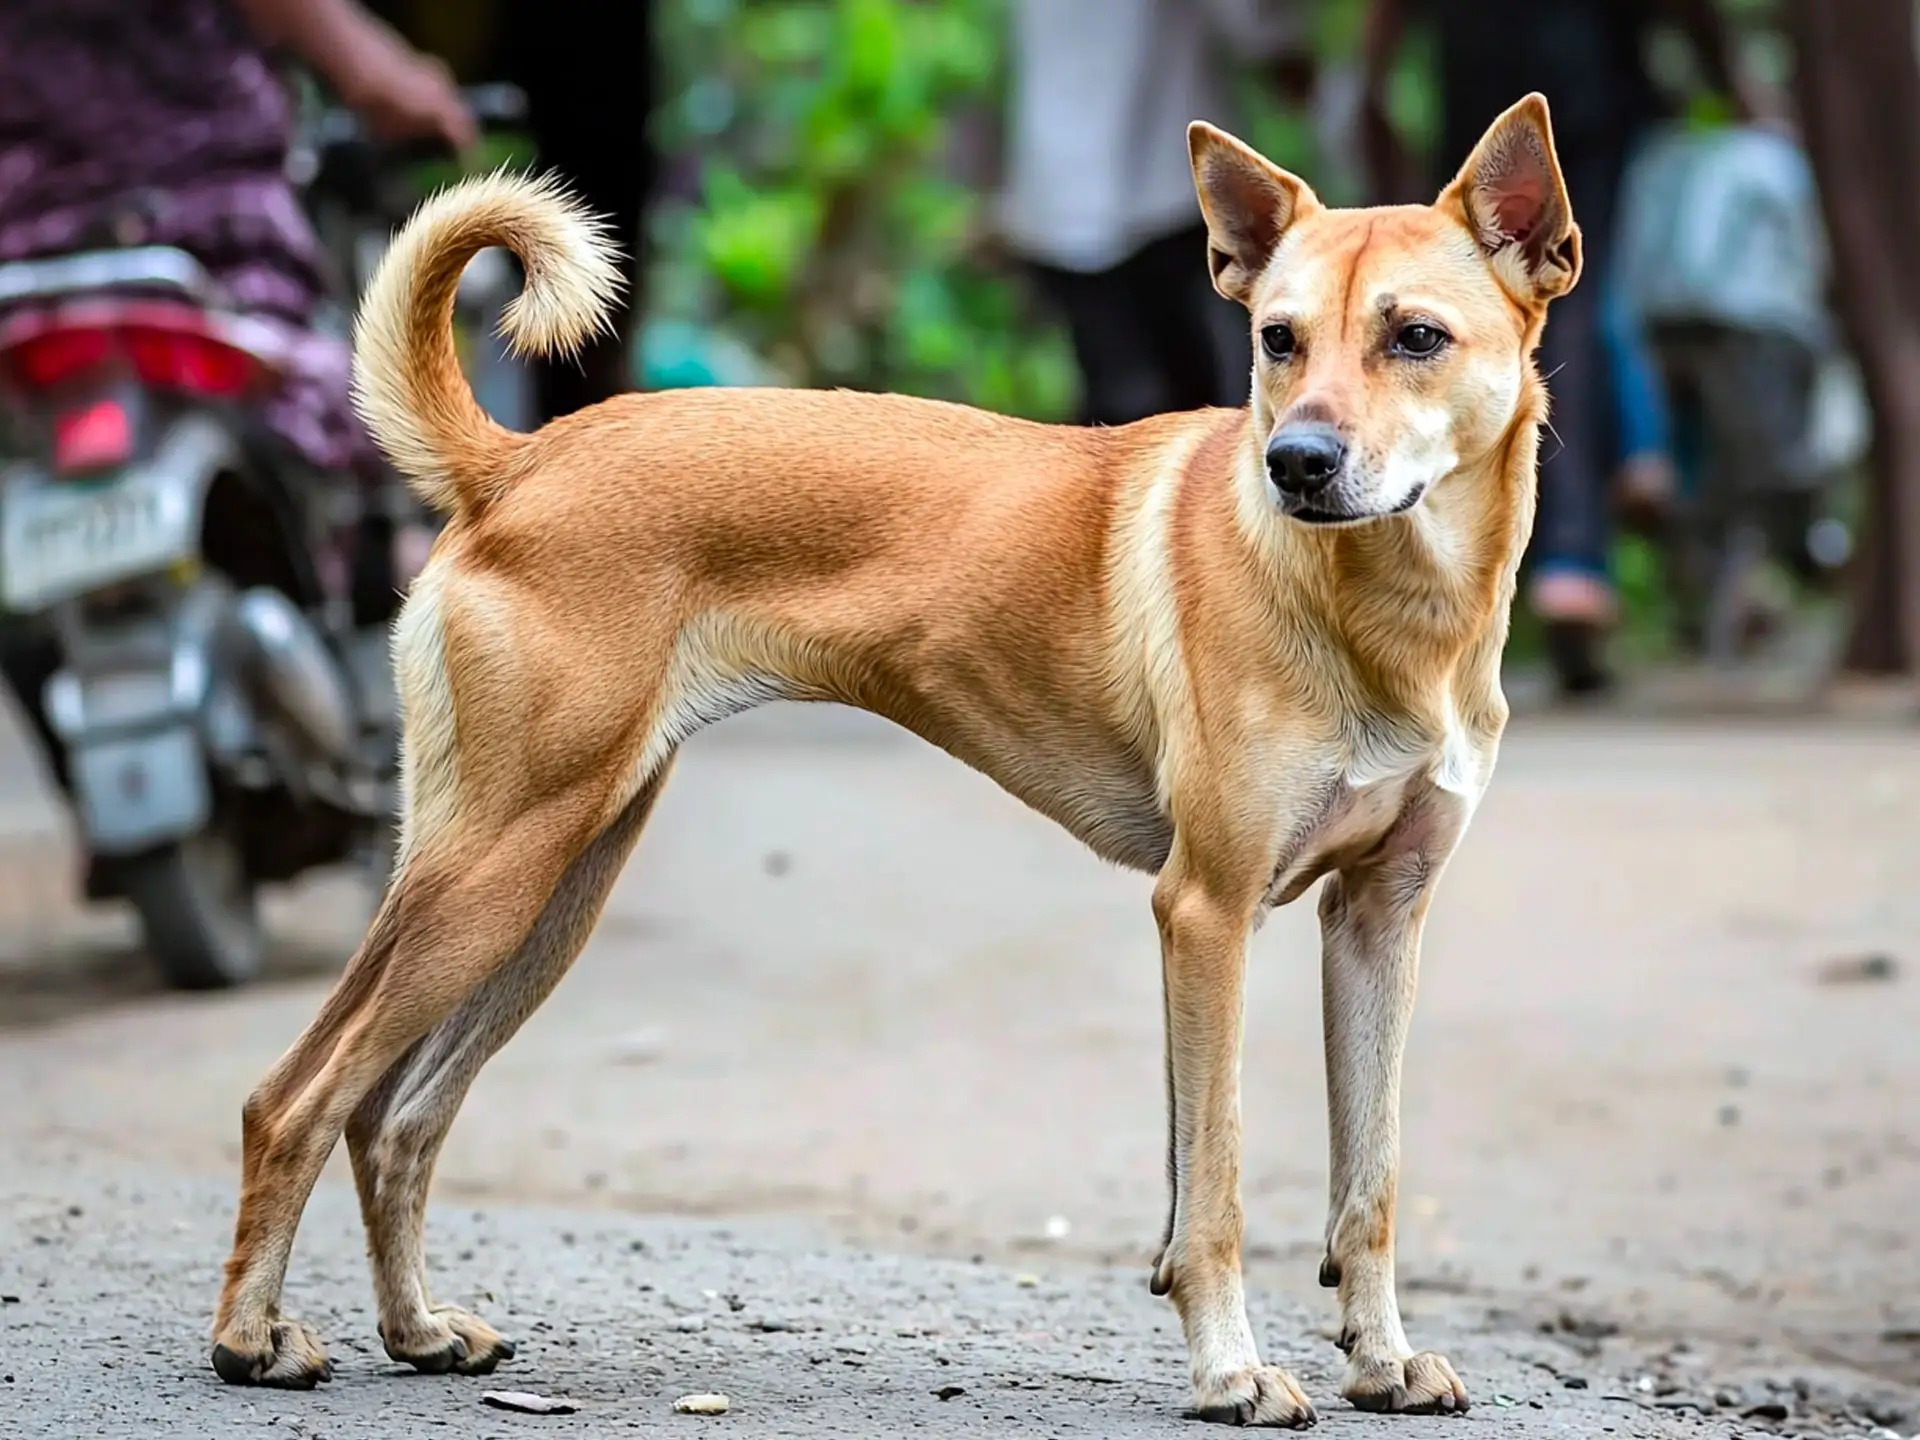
{"x": 1242, "y": 649}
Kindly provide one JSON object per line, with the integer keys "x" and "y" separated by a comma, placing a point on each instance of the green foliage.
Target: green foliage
{"x": 832, "y": 233}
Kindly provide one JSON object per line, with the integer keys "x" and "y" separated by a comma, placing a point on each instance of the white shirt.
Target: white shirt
{"x": 1102, "y": 93}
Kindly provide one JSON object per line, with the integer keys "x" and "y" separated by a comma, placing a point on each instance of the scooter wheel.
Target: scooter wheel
{"x": 198, "y": 912}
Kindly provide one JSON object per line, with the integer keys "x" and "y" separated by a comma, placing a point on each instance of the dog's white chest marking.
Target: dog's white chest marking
{"x": 1393, "y": 796}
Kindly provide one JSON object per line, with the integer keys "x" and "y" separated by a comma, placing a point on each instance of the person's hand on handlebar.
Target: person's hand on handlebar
{"x": 410, "y": 96}
{"x": 399, "y": 92}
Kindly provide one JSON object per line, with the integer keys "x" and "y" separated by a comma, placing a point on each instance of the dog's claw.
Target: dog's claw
{"x": 468, "y": 1346}
{"x": 293, "y": 1360}
{"x": 1423, "y": 1384}
{"x": 1264, "y": 1395}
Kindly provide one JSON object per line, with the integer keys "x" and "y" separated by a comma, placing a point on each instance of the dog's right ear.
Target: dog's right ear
{"x": 1248, "y": 202}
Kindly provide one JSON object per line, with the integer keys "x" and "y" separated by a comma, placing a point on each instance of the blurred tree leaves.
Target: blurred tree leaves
{"x": 825, "y": 220}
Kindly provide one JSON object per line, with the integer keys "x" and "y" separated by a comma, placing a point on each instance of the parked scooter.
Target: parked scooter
{"x": 223, "y": 716}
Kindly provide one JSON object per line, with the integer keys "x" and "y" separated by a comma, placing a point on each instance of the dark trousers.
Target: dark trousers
{"x": 29, "y": 656}
{"x": 1151, "y": 335}
{"x": 1573, "y": 529}
{"x": 587, "y": 67}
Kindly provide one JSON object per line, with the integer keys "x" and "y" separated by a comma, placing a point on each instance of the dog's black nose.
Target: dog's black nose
{"x": 1304, "y": 459}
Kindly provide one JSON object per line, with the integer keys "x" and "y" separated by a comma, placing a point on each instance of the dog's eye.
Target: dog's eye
{"x": 1419, "y": 340}
{"x": 1277, "y": 341}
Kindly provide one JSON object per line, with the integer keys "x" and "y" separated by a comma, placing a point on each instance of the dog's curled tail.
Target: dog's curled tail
{"x": 407, "y": 382}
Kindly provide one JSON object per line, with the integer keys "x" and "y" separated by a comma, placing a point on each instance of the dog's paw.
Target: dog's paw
{"x": 1264, "y": 1395}
{"x": 292, "y": 1359}
{"x": 452, "y": 1340}
{"x": 1423, "y": 1384}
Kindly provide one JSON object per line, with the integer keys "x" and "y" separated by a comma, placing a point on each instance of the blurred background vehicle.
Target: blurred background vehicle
{"x": 199, "y": 549}
{"x": 219, "y": 712}
{"x": 161, "y": 567}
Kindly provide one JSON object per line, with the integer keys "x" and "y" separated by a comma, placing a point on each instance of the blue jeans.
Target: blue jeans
{"x": 1643, "y": 415}
{"x": 1573, "y": 530}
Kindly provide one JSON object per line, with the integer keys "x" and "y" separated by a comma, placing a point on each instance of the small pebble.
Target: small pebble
{"x": 1858, "y": 969}
{"x": 527, "y": 1403}
{"x": 1027, "y": 1282}
{"x": 644, "y": 1046}
{"x": 690, "y": 1324}
{"x": 702, "y": 1405}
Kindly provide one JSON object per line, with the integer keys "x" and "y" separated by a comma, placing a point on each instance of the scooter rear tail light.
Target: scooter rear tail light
{"x": 191, "y": 363}
{"x": 53, "y": 357}
{"x": 168, "y": 349}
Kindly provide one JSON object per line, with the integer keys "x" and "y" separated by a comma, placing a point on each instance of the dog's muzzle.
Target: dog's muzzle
{"x": 1304, "y": 463}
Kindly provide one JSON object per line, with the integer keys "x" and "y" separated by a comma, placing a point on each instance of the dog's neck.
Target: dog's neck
{"x": 1417, "y": 601}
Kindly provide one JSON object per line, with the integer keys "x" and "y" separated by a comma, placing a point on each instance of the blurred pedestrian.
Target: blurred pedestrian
{"x": 1099, "y": 196}
{"x": 1587, "y": 57}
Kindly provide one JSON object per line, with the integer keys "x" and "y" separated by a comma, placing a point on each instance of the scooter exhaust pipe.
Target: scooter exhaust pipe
{"x": 298, "y": 672}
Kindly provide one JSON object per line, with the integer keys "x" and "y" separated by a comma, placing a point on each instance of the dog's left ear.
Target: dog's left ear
{"x": 1248, "y": 201}
{"x": 1513, "y": 198}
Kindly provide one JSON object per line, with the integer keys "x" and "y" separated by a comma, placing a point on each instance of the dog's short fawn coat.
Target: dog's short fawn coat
{"x": 1245, "y": 650}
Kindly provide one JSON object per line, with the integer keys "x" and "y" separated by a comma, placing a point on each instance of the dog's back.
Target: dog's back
{"x": 790, "y": 544}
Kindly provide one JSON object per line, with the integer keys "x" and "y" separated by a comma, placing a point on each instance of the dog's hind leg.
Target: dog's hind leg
{"x": 395, "y": 1136}
{"x": 1370, "y": 922}
{"x": 458, "y": 911}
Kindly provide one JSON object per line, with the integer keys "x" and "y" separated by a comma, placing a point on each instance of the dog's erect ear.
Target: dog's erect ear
{"x": 1511, "y": 195}
{"x": 1248, "y": 202}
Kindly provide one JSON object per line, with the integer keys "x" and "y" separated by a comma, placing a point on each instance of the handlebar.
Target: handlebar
{"x": 494, "y": 107}
{"x": 342, "y": 166}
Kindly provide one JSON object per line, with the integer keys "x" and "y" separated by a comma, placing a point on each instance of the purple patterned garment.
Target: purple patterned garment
{"x": 172, "y": 103}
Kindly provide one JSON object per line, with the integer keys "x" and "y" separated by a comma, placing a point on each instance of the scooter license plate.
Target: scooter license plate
{"x": 60, "y": 539}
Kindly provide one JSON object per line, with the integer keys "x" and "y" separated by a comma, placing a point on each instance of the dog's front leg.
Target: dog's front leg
{"x": 1370, "y": 922}
{"x": 1203, "y": 938}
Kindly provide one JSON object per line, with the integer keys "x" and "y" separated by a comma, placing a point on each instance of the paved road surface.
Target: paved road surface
{"x": 856, "y": 1002}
